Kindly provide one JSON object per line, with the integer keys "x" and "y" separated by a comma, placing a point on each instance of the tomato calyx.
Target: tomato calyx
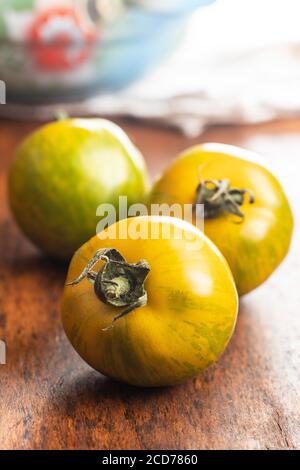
{"x": 117, "y": 283}
{"x": 218, "y": 197}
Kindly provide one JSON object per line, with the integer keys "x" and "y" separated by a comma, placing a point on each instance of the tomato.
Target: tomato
{"x": 63, "y": 172}
{"x": 249, "y": 220}
{"x": 186, "y": 313}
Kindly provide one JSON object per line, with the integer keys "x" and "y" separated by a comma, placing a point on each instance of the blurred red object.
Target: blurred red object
{"x": 59, "y": 39}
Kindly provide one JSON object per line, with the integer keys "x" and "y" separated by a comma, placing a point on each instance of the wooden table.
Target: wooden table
{"x": 51, "y": 400}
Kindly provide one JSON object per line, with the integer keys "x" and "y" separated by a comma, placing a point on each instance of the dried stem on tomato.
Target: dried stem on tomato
{"x": 218, "y": 198}
{"x": 117, "y": 283}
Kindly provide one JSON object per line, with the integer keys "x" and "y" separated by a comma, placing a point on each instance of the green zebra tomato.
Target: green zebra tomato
{"x": 63, "y": 172}
{"x": 247, "y": 214}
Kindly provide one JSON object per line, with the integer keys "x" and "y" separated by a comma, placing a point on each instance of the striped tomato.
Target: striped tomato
{"x": 153, "y": 309}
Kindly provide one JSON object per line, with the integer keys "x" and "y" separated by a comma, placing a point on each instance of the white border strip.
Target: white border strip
{"x": 2, "y": 92}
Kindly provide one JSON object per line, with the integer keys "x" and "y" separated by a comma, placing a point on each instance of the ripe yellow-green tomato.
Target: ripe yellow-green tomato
{"x": 63, "y": 172}
{"x": 152, "y": 304}
{"x": 247, "y": 214}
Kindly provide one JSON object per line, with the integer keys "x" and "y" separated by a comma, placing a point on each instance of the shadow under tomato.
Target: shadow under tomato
{"x": 213, "y": 397}
{"x": 89, "y": 386}
{"x": 104, "y": 414}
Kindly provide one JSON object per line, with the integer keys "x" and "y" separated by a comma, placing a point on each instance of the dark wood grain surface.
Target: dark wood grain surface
{"x": 49, "y": 399}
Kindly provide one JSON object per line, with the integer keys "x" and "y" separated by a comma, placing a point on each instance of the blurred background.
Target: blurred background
{"x": 223, "y": 71}
{"x": 181, "y": 63}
